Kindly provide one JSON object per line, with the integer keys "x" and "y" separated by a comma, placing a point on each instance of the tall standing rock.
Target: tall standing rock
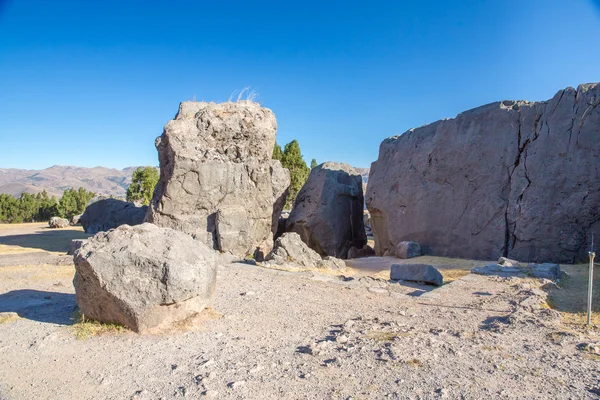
{"x": 328, "y": 212}
{"x": 217, "y": 179}
{"x": 512, "y": 178}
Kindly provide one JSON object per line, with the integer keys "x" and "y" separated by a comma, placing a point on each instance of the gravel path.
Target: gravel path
{"x": 280, "y": 335}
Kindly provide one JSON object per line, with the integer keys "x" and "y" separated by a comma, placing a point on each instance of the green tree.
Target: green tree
{"x": 47, "y": 206}
{"x": 277, "y": 152}
{"x": 143, "y": 181}
{"x": 292, "y": 160}
{"x": 28, "y": 207}
{"x": 9, "y": 209}
{"x": 73, "y": 202}
{"x": 313, "y": 163}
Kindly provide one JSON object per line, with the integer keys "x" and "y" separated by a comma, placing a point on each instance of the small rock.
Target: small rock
{"x": 408, "y": 249}
{"x": 416, "y": 273}
{"x": 237, "y": 384}
{"x": 210, "y": 393}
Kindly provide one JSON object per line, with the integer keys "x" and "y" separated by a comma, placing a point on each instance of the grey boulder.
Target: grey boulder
{"x": 416, "y": 273}
{"x": 408, "y": 250}
{"x": 514, "y": 179}
{"x": 217, "y": 179}
{"x": 75, "y": 245}
{"x": 58, "y": 222}
{"x": 104, "y": 214}
{"x": 328, "y": 211}
{"x": 143, "y": 277}
{"x": 291, "y": 251}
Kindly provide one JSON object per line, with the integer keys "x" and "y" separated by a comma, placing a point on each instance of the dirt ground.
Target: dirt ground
{"x": 272, "y": 334}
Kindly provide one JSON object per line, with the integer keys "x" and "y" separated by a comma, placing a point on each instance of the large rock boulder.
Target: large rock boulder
{"x": 105, "y": 214}
{"x": 143, "y": 277}
{"x": 217, "y": 179}
{"x": 416, "y": 273}
{"x": 513, "y": 178}
{"x": 328, "y": 211}
{"x": 291, "y": 251}
{"x": 58, "y": 222}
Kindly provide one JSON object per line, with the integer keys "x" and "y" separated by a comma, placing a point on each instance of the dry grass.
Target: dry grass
{"x": 7, "y": 317}
{"x": 84, "y": 329}
{"x": 31, "y": 237}
{"x": 570, "y": 298}
{"x": 37, "y": 272}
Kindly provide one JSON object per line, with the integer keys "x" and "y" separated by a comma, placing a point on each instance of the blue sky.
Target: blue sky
{"x": 93, "y": 82}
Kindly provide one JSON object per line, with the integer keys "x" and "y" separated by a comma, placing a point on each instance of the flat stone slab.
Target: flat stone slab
{"x": 543, "y": 271}
{"x": 416, "y": 273}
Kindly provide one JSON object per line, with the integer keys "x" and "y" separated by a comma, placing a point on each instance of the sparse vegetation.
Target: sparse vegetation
{"x": 143, "y": 181}
{"x": 84, "y": 329}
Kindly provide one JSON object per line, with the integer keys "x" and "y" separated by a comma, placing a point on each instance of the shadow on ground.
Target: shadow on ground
{"x": 49, "y": 240}
{"x": 38, "y": 305}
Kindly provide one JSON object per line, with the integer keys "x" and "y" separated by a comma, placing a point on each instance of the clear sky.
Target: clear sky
{"x": 92, "y": 82}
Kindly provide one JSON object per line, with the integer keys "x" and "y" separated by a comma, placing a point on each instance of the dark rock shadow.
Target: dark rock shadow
{"x": 56, "y": 240}
{"x": 38, "y": 305}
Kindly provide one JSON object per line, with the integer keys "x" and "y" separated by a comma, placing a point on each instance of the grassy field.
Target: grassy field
{"x": 32, "y": 237}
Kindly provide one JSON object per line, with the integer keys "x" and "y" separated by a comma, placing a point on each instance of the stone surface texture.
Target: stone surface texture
{"x": 408, "y": 249}
{"x": 514, "y": 178}
{"x": 416, "y": 273}
{"x": 328, "y": 211}
{"x": 217, "y": 179}
{"x": 75, "y": 245}
{"x": 543, "y": 271}
{"x": 291, "y": 251}
{"x": 105, "y": 214}
{"x": 58, "y": 222}
{"x": 143, "y": 277}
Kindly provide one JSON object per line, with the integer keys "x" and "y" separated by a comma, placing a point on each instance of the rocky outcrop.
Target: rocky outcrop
{"x": 104, "y": 214}
{"x": 513, "y": 178}
{"x": 291, "y": 252}
{"x": 217, "y": 179}
{"x": 328, "y": 211}
{"x": 143, "y": 277}
{"x": 58, "y": 222}
{"x": 416, "y": 273}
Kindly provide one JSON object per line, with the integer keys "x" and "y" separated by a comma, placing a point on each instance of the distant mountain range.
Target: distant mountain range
{"x": 58, "y": 178}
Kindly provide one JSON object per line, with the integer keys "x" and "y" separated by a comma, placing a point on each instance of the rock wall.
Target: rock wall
{"x": 328, "y": 211}
{"x": 512, "y": 178}
{"x": 217, "y": 179}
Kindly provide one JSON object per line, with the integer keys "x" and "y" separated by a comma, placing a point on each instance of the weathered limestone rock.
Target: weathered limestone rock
{"x": 328, "y": 211}
{"x": 217, "y": 179}
{"x": 408, "y": 249}
{"x": 416, "y": 273}
{"x": 513, "y": 179}
{"x": 544, "y": 271}
{"x": 143, "y": 277}
{"x": 291, "y": 251}
{"x": 75, "y": 245}
{"x": 75, "y": 219}
{"x": 105, "y": 214}
{"x": 58, "y": 222}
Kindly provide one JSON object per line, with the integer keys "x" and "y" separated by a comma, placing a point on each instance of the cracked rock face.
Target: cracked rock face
{"x": 328, "y": 211}
{"x": 217, "y": 179}
{"x": 143, "y": 277}
{"x": 513, "y": 178}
